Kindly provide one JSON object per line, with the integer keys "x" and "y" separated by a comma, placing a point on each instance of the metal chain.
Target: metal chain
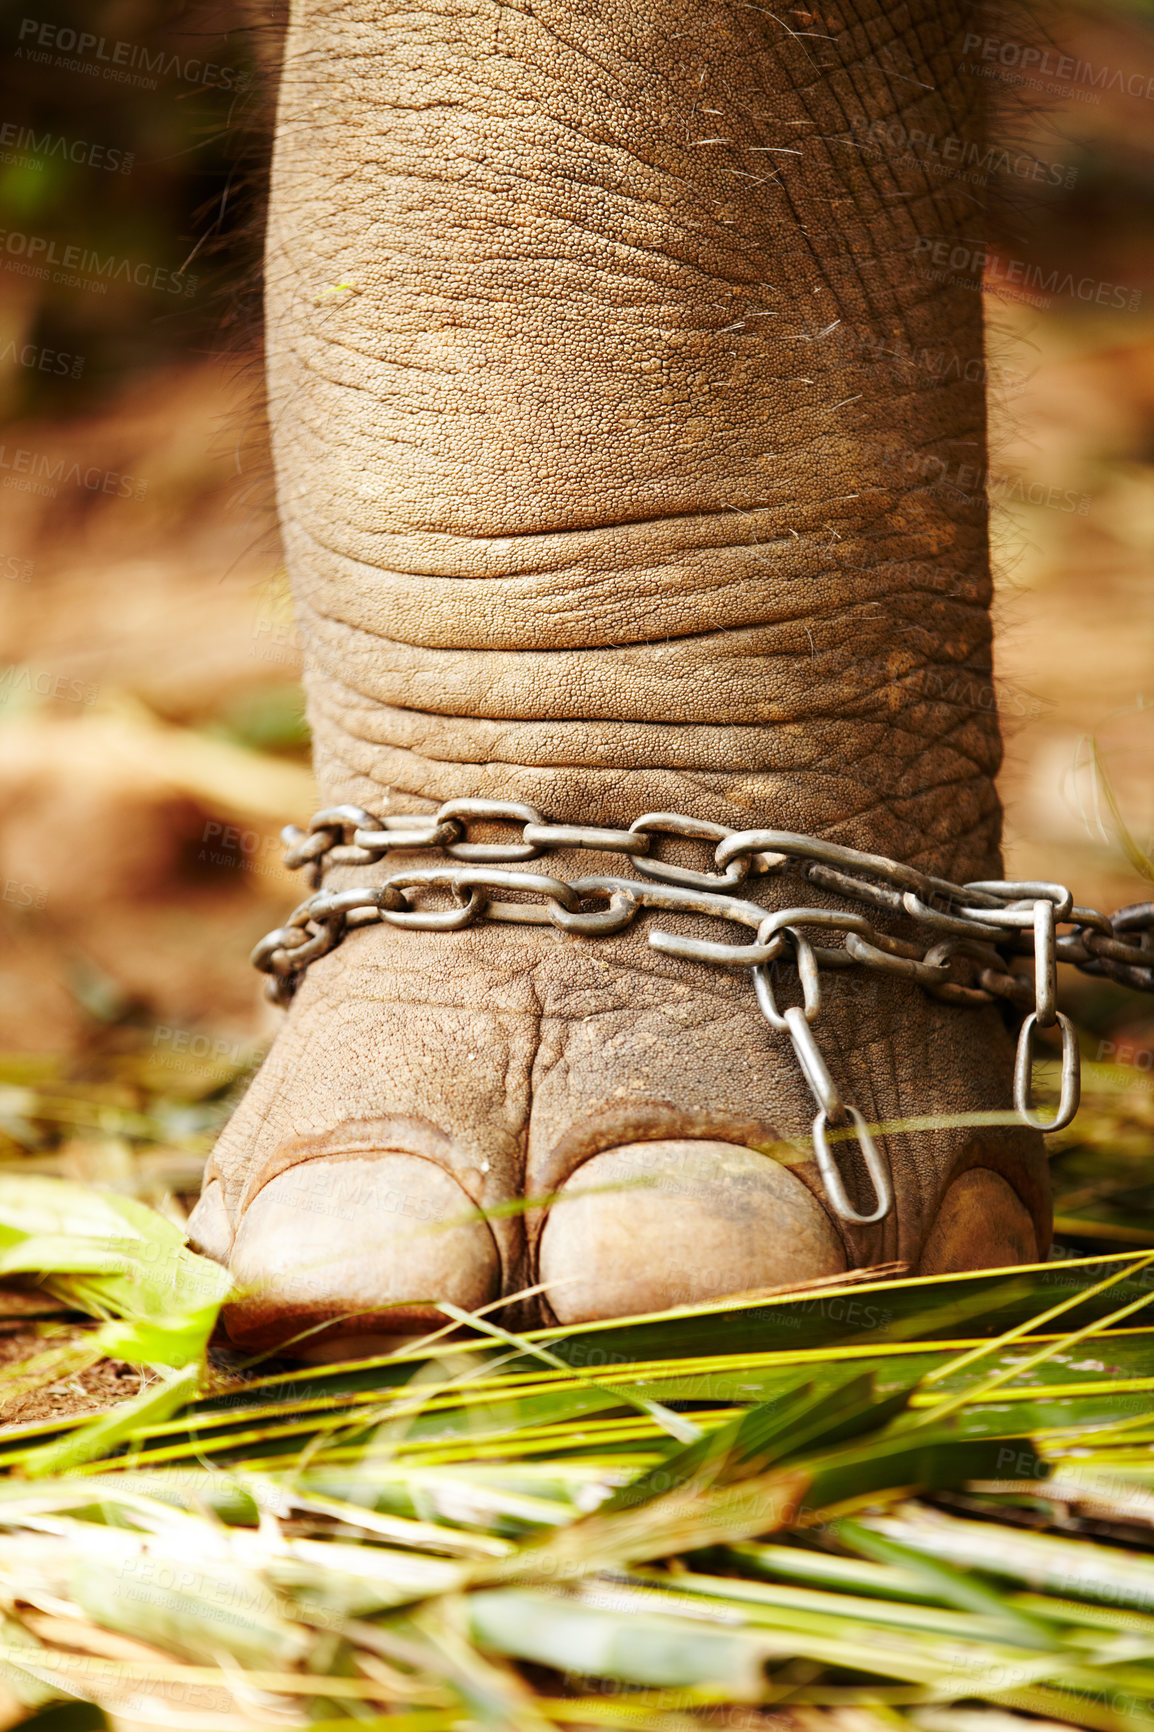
{"x": 974, "y": 930}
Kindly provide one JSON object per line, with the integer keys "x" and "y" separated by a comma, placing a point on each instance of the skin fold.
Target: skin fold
{"x": 609, "y": 377}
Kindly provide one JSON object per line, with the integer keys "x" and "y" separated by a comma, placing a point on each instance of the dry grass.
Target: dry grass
{"x": 924, "y": 1501}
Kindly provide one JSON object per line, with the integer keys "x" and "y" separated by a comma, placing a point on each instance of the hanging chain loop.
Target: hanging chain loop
{"x": 975, "y": 931}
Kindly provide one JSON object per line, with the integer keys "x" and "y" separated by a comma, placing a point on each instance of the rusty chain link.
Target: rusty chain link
{"x": 975, "y": 930}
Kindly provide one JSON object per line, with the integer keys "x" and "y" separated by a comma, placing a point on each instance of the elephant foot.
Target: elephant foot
{"x": 462, "y": 1117}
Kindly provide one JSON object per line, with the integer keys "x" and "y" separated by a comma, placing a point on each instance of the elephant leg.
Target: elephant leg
{"x": 613, "y": 383}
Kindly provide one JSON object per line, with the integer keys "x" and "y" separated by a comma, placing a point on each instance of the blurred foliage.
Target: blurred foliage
{"x": 1091, "y": 200}
{"x": 270, "y": 719}
{"x": 151, "y": 146}
{"x": 197, "y": 138}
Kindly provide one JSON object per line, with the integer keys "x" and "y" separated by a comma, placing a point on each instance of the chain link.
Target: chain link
{"x": 975, "y": 930}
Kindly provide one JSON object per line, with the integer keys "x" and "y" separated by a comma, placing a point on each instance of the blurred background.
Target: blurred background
{"x": 150, "y": 719}
{"x": 151, "y": 735}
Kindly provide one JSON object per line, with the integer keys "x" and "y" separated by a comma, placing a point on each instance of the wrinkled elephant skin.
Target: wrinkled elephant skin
{"x": 604, "y": 369}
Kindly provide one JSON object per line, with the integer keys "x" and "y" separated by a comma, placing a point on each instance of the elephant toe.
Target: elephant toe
{"x": 357, "y": 1246}
{"x": 646, "y": 1226}
{"x": 982, "y": 1223}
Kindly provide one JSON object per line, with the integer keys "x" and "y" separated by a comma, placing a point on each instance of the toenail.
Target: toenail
{"x": 209, "y": 1228}
{"x": 373, "y": 1239}
{"x": 646, "y": 1226}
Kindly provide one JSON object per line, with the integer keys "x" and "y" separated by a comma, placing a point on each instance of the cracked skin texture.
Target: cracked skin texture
{"x": 608, "y": 387}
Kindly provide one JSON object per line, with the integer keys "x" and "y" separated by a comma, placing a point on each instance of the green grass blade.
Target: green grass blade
{"x": 954, "y": 1586}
